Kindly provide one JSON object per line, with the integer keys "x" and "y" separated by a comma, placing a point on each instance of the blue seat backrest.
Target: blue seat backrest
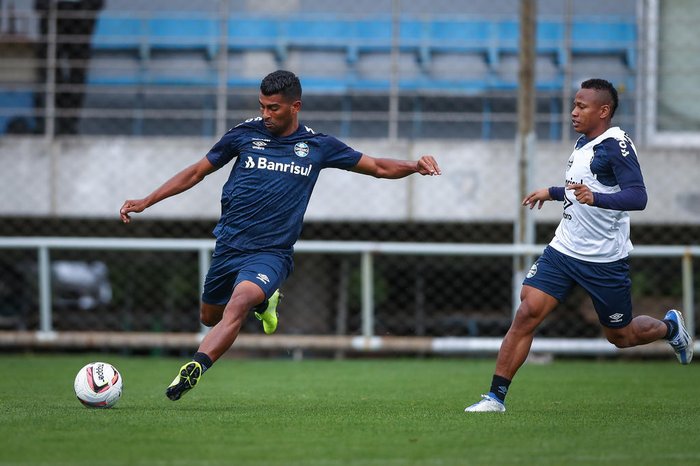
{"x": 610, "y": 37}
{"x": 118, "y": 33}
{"x": 184, "y": 34}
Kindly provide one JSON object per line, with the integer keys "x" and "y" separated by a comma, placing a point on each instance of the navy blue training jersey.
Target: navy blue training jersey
{"x": 266, "y": 195}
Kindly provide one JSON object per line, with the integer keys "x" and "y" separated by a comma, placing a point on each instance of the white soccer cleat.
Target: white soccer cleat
{"x": 682, "y": 344}
{"x": 487, "y": 404}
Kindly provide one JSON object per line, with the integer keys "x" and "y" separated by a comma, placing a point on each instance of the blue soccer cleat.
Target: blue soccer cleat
{"x": 681, "y": 342}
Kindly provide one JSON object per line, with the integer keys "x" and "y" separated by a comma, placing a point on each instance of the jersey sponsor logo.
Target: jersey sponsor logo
{"x": 263, "y": 278}
{"x": 623, "y": 147}
{"x": 264, "y": 164}
{"x": 301, "y": 149}
{"x": 533, "y": 271}
{"x": 616, "y": 318}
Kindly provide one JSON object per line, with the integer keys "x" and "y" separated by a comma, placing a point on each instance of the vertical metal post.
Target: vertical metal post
{"x": 367, "y": 295}
{"x": 688, "y": 298}
{"x": 222, "y": 62}
{"x": 50, "y": 84}
{"x": 394, "y": 78}
{"x": 640, "y": 84}
{"x": 524, "y": 226}
{"x": 568, "y": 67}
{"x": 45, "y": 320}
{"x": 204, "y": 262}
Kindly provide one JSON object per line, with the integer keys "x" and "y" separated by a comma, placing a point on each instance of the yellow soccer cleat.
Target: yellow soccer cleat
{"x": 185, "y": 380}
{"x": 269, "y": 316}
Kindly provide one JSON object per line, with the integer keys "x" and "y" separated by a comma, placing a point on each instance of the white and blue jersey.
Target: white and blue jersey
{"x": 601, "y": 232}
{"x": 267, "y": 193}
{"x": 591, "y": 244}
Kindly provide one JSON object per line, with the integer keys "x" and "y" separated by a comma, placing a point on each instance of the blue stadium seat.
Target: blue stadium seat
{"x": 120, "y": 34}
{"x": 16, "y": 105}
{"x": 549, "y": 38}
{"x": 256, "y": 33}
{"x": 173, "y": 34}
{"x": 464, "y": 36}
{"x": 606, "y": 37}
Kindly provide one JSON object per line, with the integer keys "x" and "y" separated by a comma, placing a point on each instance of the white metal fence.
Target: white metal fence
{"x": 368, "y": 340}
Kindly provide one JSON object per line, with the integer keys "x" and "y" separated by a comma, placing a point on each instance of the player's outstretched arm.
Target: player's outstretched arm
{"x": 393, "y": 169}
{"x": 537, "y": 197}
{"x": 182, "y": 181}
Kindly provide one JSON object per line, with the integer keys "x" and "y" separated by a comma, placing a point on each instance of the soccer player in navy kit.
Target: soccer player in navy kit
{"x": 276, "y": 164}
{"x": 590, "y": 247}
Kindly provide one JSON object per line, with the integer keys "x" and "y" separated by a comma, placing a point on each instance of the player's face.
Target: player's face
{"x": 279, "y": 114}
{"x": 591, "y": 114}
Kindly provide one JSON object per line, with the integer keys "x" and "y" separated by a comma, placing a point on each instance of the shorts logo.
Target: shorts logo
{"x": 533, "y": 270}
{"x": 301, "y": 149}
{"x": 263, "y": 278}
{"x": 616, "y": 318}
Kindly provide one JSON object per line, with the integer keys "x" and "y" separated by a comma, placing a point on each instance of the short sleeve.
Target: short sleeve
{"x": 226, "y": 149}
{"x": 339, "y": 155}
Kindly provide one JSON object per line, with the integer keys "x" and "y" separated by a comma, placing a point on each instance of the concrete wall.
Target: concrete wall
{"x": 92, "y": 177}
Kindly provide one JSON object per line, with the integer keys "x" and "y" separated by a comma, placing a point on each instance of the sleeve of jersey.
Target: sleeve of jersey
{"x": 625, "y": 166}
{"x": 556, "y": 193}
{"x": 339, "y": 155}
{"x": 225, "y": 150}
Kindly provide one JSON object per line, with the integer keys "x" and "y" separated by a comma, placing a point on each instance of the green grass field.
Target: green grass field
{"x": 354, "y": 412}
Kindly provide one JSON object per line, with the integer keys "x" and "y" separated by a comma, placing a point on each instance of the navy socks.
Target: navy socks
{"x": 499, "y": 387}
{"x": 203, "y": 360}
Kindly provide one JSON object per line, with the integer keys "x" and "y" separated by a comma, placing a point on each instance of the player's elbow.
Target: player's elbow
{"x": 643, "y": 200}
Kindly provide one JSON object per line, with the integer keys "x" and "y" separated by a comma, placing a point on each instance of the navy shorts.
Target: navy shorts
{"x": 608, "y": 284}
{"x": 266, "y": 269}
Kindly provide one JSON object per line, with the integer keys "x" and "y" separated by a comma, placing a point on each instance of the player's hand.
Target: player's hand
{"x": 583, "y": 193}
{"x": 427, "y": 165}
{"x": 137, "y": 205}
{"x": 537, "y": 197}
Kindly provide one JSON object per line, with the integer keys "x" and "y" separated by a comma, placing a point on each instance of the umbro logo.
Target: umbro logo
{"x": 260, "y": 145}
{"x": 615, "y": 318}
{"x": 263, "y": 278}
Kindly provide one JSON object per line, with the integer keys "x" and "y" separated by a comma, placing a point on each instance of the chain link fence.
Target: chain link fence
{"x": 103, "y": 100}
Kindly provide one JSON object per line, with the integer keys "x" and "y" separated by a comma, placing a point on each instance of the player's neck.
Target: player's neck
{"x": 290, "y": 130}
{"x": 590, "y": 135}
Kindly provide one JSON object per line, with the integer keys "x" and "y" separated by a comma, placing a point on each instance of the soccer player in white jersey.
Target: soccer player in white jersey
{"x": 603, "y": 181}
{"x": 276, "y": 161}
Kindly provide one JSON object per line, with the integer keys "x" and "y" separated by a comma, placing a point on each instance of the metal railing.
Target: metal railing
{"x": 367, "y": 250}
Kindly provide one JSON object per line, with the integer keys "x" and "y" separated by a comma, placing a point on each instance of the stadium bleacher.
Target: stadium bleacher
{"x": 423, "y": 38}
{"x": 460, "y": 55}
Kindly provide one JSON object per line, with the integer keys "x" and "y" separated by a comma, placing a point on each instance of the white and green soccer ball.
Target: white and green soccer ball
{"x": 98, "y": 385}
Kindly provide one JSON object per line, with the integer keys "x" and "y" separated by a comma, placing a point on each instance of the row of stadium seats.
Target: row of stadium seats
{"x": 424, "y": 39}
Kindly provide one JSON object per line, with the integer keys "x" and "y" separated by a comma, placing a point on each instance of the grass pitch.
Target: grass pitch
{"x": 355, "y": 412}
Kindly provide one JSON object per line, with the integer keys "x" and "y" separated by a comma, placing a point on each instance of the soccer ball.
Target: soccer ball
{"x": 98, "y": 385}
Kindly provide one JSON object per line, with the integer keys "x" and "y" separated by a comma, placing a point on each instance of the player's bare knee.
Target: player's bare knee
{"x": 210, "y": 315}
{"x": 620, "y": 340}
{"x": 208, "y": 319}
{"x": 527, "y": 316}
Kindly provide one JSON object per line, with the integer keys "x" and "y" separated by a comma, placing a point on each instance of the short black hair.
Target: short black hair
{"x": 603, "y": 85}
{"x": 281, "y": 82}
